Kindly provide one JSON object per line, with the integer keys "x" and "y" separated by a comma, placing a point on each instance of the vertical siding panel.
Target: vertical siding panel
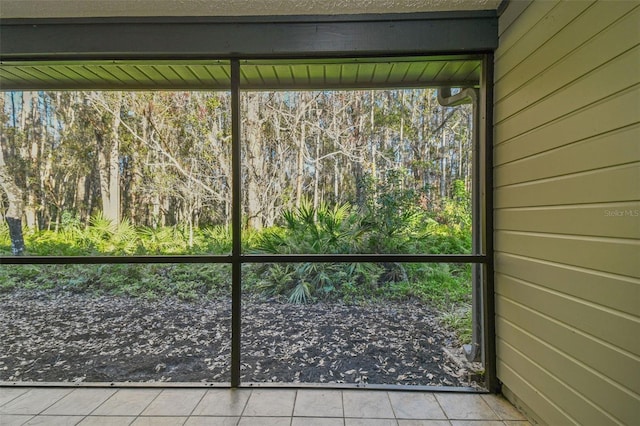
{"x": 557, "y": 390}
{"x": 589, "y": 318}
{"x": 567, "y": 296}
{"x": 593, "y": 220}
{"x": 590, "y": 186}
{"x": 529, "y": 400}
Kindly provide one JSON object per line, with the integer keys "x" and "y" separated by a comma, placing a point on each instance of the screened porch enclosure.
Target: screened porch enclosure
{"x": 337, "y": 180}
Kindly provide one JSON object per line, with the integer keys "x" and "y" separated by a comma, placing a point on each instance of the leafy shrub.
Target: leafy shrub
{"x": 164, "y": 240}
{"x": 308, "y": 230}
{"x": 216, "y": 240}
{"x": 394, "y": 215}
{"x": 185, "y": 281}
{"x": 391, "y": 220}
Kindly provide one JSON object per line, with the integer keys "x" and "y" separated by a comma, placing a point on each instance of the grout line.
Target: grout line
{"x": 53, "y": 403}
{"x": 15, "y": 397}
{"x": 482, "y": 398}
{"x": 293, "y": 407}
{"x": 151, "y": 402}
{"x": 246, "y": 403}
{"x": 103, "y": 402}
{"x": 197, "y": 404}
{"x": 435, "y": 395}
{"x": 393, "y": 410}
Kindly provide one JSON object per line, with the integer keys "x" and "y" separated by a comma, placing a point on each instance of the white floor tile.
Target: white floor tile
{"x": 367, "y": 404}
{"x": 271, "y": 403}
{"x": 222, "y": 402}
{"x": 174, "y": 402}
{"x": 80, "y": 402}
{"x": 127, "y": 402}
{"x": 318, "y": 403}
{"x": 459, "y": 406}
{"x": 34, "y": 401}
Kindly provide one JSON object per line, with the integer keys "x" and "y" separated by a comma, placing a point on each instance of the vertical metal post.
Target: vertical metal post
{"x": 236, "y": 225}
{"x": 489, "y": 322}
{"x": 475, "y": 352}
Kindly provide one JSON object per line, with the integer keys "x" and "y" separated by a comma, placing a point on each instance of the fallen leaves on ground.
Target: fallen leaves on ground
{"x": 53, "y": 336}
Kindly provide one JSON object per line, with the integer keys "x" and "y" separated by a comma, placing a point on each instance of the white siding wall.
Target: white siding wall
{"x": 567, "y": 210}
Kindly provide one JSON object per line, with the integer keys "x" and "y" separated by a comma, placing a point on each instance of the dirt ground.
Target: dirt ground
{"x": 50, "y": 336}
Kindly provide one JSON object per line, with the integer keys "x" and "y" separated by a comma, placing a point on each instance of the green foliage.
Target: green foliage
{"x": 103, "y": 237}
{"x": 391, "y": 223}
{"x": 394, "y": 216}
{"x": 185, "y": 281}
{"x": 175, "y": 152}
{"x": 216, "y": 240}
{"x": 399, "y": 222}
{"x": 447, "y": 229}
{"x": 23, "y": 276}
{"x": 459, "y": 320}
{"x": 392, "y": 220}
{"x": 312, "y": 230}
{"x": 308, "y": 230}
{"x": 164, "y": 240}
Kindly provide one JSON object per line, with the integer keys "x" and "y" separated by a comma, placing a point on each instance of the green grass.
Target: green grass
{"x": 459, "y": 320}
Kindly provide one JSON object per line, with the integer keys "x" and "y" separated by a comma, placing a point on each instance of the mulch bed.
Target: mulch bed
{"x": 53, "y": 336}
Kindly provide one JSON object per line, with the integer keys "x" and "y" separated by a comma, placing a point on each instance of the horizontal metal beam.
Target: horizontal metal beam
{"x": 103, "y": 260}
{"x": 246, "y": 258}
{"x": 248, "y": 37}
{"x": 246, "y": 385}
{"x": 351, "y": 258}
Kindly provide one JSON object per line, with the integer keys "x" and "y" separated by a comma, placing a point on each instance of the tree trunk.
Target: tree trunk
{"x": 28, "y": 152}
{"x": 316, "y": 176}
{"x": 443, "y": 168}
{"x": 300, "y": 166}
{"x": 443, "y": 159}
{"x": 16, "y": 208}
{"x": 109, "y": 159}
{"x": 254, "y": 171}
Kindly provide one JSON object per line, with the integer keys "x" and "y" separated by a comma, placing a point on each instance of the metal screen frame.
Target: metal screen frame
{"x": 15, "y": 47}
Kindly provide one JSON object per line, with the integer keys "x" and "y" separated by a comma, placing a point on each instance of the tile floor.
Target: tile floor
{"x": 264, "y": 407}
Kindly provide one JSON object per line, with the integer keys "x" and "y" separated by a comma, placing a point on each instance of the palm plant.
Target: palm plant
{"x": 162, "y": 240}
{"x": 105, "y": 236}
{"x": 125, "y": 238}
{"x": 309, "y": 230}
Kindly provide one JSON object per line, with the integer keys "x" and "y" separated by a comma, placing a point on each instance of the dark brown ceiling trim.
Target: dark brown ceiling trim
{"x": 248, "y": 37}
